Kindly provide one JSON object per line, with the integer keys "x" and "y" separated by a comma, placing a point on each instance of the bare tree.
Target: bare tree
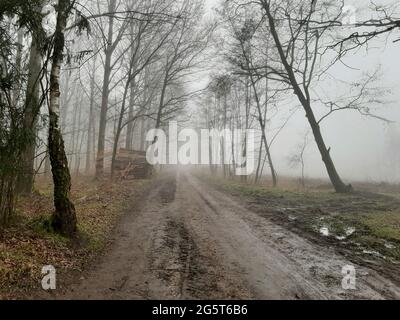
{"x": 182, "y": 55}
{"x": 108, "y": 66}
{"x": 384, "y": 21}
{"x": 298, "y": 158}
{"x": 241, "y": 57}
{"x": 298, "y": 55}
{"x": 145, "y": 45}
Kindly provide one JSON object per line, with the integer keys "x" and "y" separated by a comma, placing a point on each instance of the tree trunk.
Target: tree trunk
{"x": 271, "y": 164}
{"x": 66, "y": 99}
{"x": 118, "y": 130}
{"x": 264, "y": 137}
{"x": 47, "y": 165}
{"x": 7, "y": 198}
{"x": 144, "y": 122}
{"x": 142, "y": 134}
{"x": 224, "y": 144}
{"x": 31, "y": 112}
{"x": 72, "y": 144}
{"x": 247, "y": 114}
{"x": 79, "y": 141}
{"x": 161, "y": 104}
{"x": 105, "y": 95}
{"x": 18, "y": 65}
{"x": 337, "y": 182}
{"x": 258, "y": 172}
{"x": 64, "y": 217}
{"x": 90, "y": 131}
{"x": 129, "y": 131}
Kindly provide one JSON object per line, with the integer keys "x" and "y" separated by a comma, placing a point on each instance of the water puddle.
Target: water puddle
{"x": 324, "y": 231}
{"x": 374, "y": 253}
{"x": 389, "y": 245}
{"x": 347, "y": 233}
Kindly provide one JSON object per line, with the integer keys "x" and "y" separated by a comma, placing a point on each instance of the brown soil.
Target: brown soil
{"x": 191, "y": 241}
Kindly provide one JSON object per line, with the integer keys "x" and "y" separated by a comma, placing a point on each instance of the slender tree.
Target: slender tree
{"x": 64, "y": 218}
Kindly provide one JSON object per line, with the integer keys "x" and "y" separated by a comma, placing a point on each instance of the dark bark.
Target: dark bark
{"x": 161, "y": 104}
{"x": 259, "y": 163}
{"x": 7, "y": 198}
{"x": 64, "y": 217}
{"x": 31, "y": 113}
{"x": 119, "y": 129}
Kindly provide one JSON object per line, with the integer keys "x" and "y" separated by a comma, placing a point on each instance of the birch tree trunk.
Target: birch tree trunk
{"x": 64, "y": 217}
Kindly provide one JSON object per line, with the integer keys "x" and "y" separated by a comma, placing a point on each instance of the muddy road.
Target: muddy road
{"x": 190, "y": 241}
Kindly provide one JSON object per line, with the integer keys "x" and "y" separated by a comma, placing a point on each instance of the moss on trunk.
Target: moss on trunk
{"x": 64, "y": 218}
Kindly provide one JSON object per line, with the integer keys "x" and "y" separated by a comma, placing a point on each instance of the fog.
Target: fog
{"x": 363, "y": 148}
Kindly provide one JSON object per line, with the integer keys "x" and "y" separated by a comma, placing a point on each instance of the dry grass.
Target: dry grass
{"x": 29, "y": 243}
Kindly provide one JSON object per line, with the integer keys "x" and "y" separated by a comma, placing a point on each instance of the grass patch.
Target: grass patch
{"x": 366, "y": 222}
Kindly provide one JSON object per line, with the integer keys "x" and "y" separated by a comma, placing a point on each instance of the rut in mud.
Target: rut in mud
{"x": 190, "y": 241}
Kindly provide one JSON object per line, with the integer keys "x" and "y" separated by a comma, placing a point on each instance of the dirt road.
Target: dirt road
{"x": 190, "y": 241}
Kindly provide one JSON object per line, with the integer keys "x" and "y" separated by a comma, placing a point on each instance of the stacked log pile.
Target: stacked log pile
{"x": 132, "y": 164}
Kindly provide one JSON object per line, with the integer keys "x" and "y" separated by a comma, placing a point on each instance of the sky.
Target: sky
{"x": 359, "y": 145}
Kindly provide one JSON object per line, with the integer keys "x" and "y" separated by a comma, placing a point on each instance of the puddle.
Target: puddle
{"x": 374, "y": 253}
{"x": 348, "y": 232}
{"x": 324, "y": 231}
{"x": 390, "y": 246}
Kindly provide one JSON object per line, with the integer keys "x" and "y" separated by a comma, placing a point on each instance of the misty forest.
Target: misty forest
{"x": 89, "y": 88}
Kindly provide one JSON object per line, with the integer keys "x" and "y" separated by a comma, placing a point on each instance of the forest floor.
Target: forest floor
{"x": 196, "y": 237}
{"x": 29, "y": 243}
